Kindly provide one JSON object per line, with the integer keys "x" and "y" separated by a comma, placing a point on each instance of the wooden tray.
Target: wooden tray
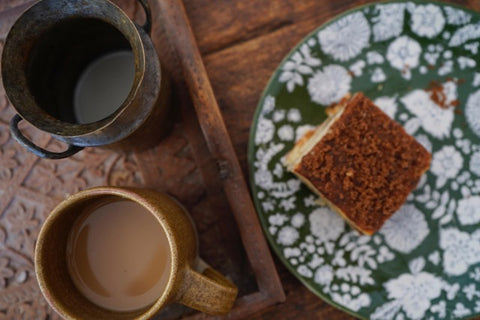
{"x": 196, "y": 163}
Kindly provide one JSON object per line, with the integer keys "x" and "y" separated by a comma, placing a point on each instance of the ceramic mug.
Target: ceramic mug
{"x": 208, "y": 291}
{"x": 44, "y": 55}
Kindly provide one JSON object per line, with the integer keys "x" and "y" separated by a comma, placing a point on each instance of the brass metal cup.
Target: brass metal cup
{"x": 46, "y": 51}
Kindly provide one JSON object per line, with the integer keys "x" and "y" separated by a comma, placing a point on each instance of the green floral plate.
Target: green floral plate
{"x": 425, "y": 262}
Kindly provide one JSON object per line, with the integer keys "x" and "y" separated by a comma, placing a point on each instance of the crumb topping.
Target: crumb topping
{"x": 437, "y": 94}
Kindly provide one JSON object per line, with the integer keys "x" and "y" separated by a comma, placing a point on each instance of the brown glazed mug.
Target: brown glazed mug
{"x": 208, "y": 291}
{"x": 46, "y": 51}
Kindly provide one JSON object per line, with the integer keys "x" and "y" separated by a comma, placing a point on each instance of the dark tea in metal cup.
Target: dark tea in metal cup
{"x": 50, "y": 54}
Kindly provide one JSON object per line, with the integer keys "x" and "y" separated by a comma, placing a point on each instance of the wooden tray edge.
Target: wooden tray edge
{"x": 182, "y": 41}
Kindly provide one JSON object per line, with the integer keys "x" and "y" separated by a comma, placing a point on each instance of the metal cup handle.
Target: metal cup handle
{"x": 148, "y": 16}
{"x": 30, "y": 146}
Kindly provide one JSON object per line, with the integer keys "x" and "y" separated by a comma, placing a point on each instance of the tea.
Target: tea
{"x": 118, "y": 255}
{"x": 103, "y": 86}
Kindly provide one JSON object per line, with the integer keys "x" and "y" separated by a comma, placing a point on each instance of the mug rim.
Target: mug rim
{"x": 14, "y": 84}
{"x": 91, "y": 195}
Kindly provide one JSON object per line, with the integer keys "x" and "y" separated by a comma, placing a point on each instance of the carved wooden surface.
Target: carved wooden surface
{"x": 227, "y": 32}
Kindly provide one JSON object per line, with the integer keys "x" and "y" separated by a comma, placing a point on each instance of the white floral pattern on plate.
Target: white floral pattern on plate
{"x": 460, "y": 251}
{"x": 446, "y": 164}
{"x": 265, "y": 134}
{"x": 325, "y": 224}
{"x": 299, "y": 65}
{"x": 456, "y": 16}
{"x": 406, "y": 229}
{"x": 389, "y": 22}
{"x": 286, "y": 133}
{"x": 287, "y": 236}
{"x": 475, "y": 163}
{"x": 378, "y": 75}
{"x": 468, "y": 210}
{"x": 472, "y": 112}
{"x": 345, "y": 38}
{"x": 435, "y": 120}
{"x": 423, "y": 262}
{"x": 388, "y": 105}
{"x": 329, "y": 85}
{"x": 464, "y": 34}
{"x": 411, "y": 292}
{"x": 404, "y": 54}
{"x": 427, "y": 20}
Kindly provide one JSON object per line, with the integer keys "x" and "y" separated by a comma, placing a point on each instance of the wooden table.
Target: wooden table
{"x": 242, "y": 42}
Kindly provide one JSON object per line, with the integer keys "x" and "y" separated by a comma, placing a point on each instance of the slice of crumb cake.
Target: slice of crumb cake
{"x": 360, "y": 162}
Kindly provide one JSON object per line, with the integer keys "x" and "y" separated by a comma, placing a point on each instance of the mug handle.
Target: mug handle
{"x": 148, "y": 16}
{"x": 208, "y": 292}
{"x": 33, "y": 148}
